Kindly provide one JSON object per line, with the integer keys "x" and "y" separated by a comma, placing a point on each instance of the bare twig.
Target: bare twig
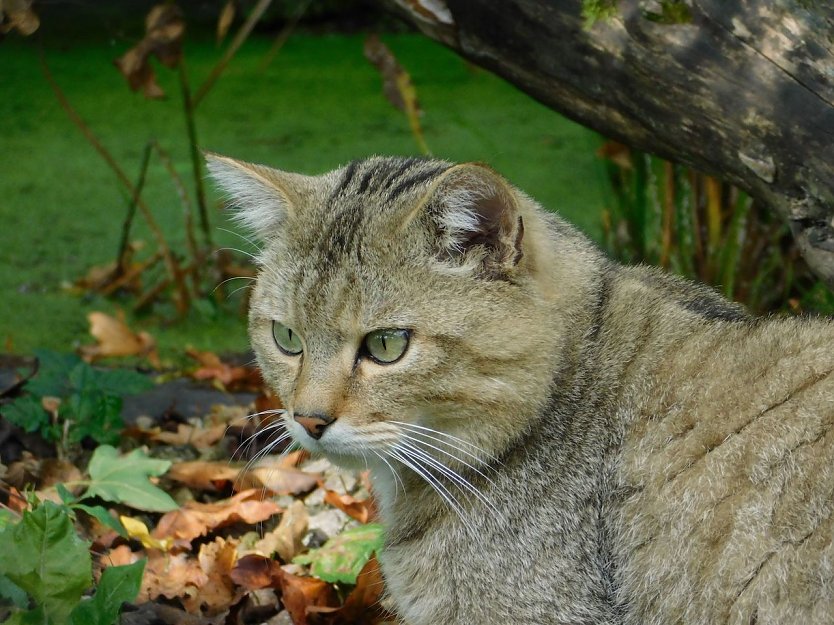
{"x": 121, "y": 258}
{"x": 283, "y": 36}
{"x": 196, "y": 158}
{"x": 171, "y": 264}
{"x": 238, "y": 40}
{"x": 188, "y": 212}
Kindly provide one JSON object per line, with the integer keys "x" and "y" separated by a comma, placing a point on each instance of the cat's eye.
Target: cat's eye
{"x": 386, "y": 346}
{"x": 286, "y": 339}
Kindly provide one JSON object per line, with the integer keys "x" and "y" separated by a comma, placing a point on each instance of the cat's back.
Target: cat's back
{"x": 725, "y": 481}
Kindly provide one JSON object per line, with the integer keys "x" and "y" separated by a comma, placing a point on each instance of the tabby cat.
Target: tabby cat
{"x": 552, "y": 437}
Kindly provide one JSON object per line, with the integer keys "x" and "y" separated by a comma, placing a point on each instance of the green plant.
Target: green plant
{"x": 45, "y": 569}
{"x": 69, "y": 400}
{"x": 342, "y": 557}
{"x": 666, "y": 214}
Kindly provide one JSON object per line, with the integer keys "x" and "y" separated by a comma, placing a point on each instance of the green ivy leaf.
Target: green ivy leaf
{"x": 342, "y": 557}
{"x": 103, "y": 516}
{"x": 118, "y": 585}
{"x": 124, "y": 479}
{"x": 44, "y": 556}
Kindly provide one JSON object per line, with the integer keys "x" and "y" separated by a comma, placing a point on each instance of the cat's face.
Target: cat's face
{"x": 392, "y": 313}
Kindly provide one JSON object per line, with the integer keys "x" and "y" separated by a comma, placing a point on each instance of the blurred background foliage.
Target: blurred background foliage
{"x": 299, "y": 94}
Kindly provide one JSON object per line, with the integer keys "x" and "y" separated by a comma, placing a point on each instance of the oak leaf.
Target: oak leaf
{"x": 198, "y": 519}
{"x": 115, "y": 338}
{"x": 216, "y": 560}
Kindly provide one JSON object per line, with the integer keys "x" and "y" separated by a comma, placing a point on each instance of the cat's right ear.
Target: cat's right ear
{"x": 263, "y": 198}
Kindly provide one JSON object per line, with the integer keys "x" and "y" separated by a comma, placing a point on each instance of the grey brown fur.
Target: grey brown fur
{"x": 644, "y": 451}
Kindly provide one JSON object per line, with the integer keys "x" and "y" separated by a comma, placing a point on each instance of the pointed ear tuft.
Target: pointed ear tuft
{"x": 264, "y": 198}
{"x": 476, "y": 212}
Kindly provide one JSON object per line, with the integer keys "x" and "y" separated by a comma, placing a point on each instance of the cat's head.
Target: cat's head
{"x": 398, "y": 304}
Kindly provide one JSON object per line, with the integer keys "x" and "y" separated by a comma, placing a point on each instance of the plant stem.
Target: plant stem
{"x": 196, "y": 157}
{"x": 171, "y": 264}
{"x": 121, "y": 258}
{"x": 240, "y": 37}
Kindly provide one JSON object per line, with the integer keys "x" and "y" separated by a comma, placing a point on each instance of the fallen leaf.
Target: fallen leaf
{"x": 254, "y": 571}
{"x": 363, "y": 603}
{"x": 139, "y": 531}
{"x": 115, "y": 338}
{"x": 119, "y": 556}
{"x": 231, "y": 377}
{"x": 300, "y": 594}
{"x": 217, "y": 593}
{"x": 343, "y": 557}
{"x": 279, "y": 480}
{"x": 19, "y": 16}
{"x": 285, "y": 539}
{"x": 186, "y": 434}
{"x": 172, "y": 576}
{"x": 363, "y": 510}
{"x": 198, "y": 519}
{"x": 164, "y": 30}
{"x": 203, "y": 474}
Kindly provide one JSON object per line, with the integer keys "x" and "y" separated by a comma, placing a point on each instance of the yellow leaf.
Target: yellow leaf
{"x": 138, "y": 530}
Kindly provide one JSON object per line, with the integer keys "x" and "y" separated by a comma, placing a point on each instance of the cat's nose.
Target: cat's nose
{"x": 315, "y": 423}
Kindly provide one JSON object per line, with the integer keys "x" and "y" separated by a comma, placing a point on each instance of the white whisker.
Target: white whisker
{"x": 222, "y": 282}
{"x": 234, "y": 249}
{"x": 420, "y": 429}
{"x": 242, "y": 236}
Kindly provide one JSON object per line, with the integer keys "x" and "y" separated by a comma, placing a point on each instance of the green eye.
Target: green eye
{"x": 387, "y": 346}
{"x": 287, "y": 341}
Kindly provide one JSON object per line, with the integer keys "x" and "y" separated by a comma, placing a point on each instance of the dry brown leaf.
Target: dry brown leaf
{"x": 227, "y": 16}
{"x": 164, "y": 30}
{"x": 18, "y": 15}
{"x": 285, "y": 539}
{"x": 203, "y": 475}
{"x": 302, "y": 595}
{"x": 171, "y": 575}
{"x": 212, "y": 368}
{"x": 617, "y": 153}
{"x": 280, "y": 480}
{"x": 254, "y": 571}
{"x": 119, "y": 556}
{"x": 363, "y": 510}
{"x": 115, "y": 338}
{"x": 198, "y": 519}
{"x": 186, "y": 434}
{"x": 217, "y": 593}
{"x": 362, "y": 604}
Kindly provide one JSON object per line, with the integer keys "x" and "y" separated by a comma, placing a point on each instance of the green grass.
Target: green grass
{"x": 318, "y": 105}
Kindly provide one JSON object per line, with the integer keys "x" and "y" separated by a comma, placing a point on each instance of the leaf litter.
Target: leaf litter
{"x": 182, "y": 533}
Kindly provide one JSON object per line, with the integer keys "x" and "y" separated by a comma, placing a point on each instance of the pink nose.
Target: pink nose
{"x": 314, "y": 424}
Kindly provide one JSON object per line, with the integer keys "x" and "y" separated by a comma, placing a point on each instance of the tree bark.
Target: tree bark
{"x": 744, "y": 90}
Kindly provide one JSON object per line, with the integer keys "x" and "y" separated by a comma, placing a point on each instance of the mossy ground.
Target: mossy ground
{"x": 317, "y": 105}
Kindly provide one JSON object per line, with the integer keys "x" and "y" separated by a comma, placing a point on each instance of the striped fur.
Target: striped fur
{"x": 629, "y": 448}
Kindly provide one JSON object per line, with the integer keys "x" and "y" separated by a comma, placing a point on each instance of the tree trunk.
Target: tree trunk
{"x": 744, "y": 90}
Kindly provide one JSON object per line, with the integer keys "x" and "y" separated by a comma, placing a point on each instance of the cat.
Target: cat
{"x": 552, "y": 437}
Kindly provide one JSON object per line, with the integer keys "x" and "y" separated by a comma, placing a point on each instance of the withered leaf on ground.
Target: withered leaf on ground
{"x": 254, "y": 571}
{"x": 164, "y": 30}
{"x": 115, "y": 338}
{"x": 187, "y": 434}
{"x": 301, "y": 595}
{"x": 203, "y": 474}
{"x": 198, "y": 519}
{"x": 216, "y": 560}
{"x": 363, "y": 603}
{"x": 285, "y": 539}
{"x": 363, "y": 510}
{"x": 230, "y": 377}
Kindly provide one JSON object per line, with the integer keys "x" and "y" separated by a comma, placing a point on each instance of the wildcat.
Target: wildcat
{"x": 552, "y": 437}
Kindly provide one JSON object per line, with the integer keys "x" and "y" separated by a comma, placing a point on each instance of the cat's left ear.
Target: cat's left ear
{"x": 264, "y": 198}
{"x": 476, "y": 213}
